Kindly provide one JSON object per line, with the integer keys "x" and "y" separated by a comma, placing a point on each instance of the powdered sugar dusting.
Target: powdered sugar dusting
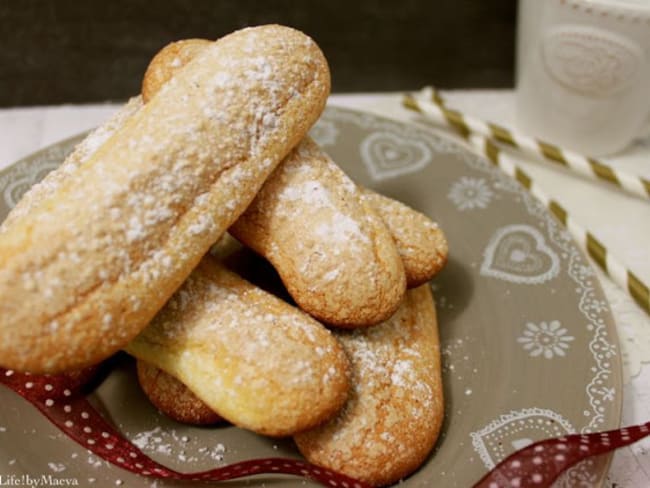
{"x": 338, "y": 227}
{"x": 137, "y": 194}
{"x": 56, "y": 467}
{"x": 168, "y": 443}
{"x": 204, "y": 223}
{"x": 225, "y": 306}
{"x": 310, "y": 192}
{"x": 403, "y": 373}
{"x": 344, "y": 230}
{"x": 331, "y": 275}
{"x": 218, "y": 320}
{"x": 395, "y": 407}
{"x": 308, "y": 219}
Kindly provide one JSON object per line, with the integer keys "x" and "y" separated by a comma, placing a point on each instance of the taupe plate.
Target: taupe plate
{"x": 529, "y": 345}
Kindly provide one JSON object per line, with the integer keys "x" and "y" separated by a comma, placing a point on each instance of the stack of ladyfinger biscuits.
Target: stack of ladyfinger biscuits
{"x": 111, "y": 252}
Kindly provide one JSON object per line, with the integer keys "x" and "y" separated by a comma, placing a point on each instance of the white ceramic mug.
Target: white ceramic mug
{"x": 583, "y": 72}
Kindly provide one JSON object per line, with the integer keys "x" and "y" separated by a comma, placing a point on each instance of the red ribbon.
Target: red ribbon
{"x": 60, "y": 399}
{"x": 540, "y": 464}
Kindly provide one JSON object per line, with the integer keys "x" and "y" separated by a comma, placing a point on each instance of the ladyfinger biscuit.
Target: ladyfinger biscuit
{"x": 88, "y": 267}
{"x": 172, "y": 397}
{"x": 420, "y": 242}
{"x": 252, "y": 358}
{"x": 393, "y": 416}
{"x": 332, "y": 251}
{"x": 167, "y": 62}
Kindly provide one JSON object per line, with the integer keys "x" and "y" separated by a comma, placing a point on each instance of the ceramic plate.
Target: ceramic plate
{"x": 529, "y": 345}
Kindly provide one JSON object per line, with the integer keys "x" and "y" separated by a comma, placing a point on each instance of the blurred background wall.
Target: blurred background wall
{"x": 73, "y": 51}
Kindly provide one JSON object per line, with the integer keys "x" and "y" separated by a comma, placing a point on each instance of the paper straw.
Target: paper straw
{"x": 430, "y": 104}
{"x": 618, "y": 273}
{"x": 612, "y": 267}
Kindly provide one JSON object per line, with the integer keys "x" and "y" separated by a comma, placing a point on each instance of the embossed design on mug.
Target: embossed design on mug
{"x": 590, "y": 61}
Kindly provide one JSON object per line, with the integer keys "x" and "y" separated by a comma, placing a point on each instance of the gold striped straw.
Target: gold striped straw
{"x": 618, "y": 273}
{"x": 430, "y": 103}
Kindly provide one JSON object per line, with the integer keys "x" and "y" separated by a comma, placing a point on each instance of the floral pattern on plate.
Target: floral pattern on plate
{"x": 470, "y": 193}
{"x": 546, "y": 339}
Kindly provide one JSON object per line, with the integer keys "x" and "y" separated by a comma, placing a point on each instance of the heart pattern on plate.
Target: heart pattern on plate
{"x": 519, "y": 253}
{"x": 387, "y": 155}
{"x": 516, "y": 430}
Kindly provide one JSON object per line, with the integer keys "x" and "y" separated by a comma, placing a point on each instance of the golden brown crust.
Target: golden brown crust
{"x": 172, "y": 397}
{"x": 88, "y": 267}
{"x": 332, "y": 251}
{"x": 257, "y": 361}
{"x": 420, "y": 242}
{"x": 393, "y": 416}
{"x": 167, "y": 62}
